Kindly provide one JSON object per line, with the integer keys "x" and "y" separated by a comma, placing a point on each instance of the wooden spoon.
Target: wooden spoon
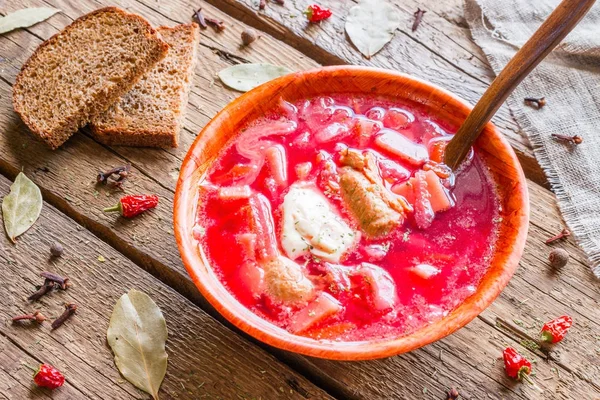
{"x": 562, "y": 20}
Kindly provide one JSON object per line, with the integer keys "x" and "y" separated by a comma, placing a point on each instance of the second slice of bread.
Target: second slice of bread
{"x": 151, "y": 113}
{"x": 79, "y": 72}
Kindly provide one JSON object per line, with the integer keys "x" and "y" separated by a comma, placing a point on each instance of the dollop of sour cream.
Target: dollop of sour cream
{"x": 311, "y": 225}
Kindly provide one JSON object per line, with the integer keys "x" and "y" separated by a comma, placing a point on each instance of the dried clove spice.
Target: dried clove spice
{"x": 199, "y": 18}
{"x": 118, "y": 175}
{"x": 564, "y": 233}
{"x": 70, "y": 309}
{"x": 569, "y": 139}
{"x": 452, "y": 394}
{"x": 536, "y": 102}
{"x": 280, "y": 2}
{"x": 418, "y": 18}
{"x": 43, "y": 290}
{"x": 63, "y": 282}
{"x": 262, "y": 4}
{"x": 36, "y": 316}
{"x": 219, "y": 26}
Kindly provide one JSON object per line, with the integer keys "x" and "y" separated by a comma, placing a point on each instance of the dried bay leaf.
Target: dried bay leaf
{"x": 245, "y": 77}
{"x": 137, "y": 334}
{"x": 21, "y": 207}
{"x": 371, "y": 25}
{"x": 25, "y": 18}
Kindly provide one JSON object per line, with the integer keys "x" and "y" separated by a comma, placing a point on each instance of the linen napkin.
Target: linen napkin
{"x": 569, "y": 79}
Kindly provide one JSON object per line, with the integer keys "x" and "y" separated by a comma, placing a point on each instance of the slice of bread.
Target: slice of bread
{"x": 79, "y": 72}
{"x": 151, "y": 113}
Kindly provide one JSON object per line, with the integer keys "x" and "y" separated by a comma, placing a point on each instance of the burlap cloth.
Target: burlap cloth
{"x": 569, "y": 79}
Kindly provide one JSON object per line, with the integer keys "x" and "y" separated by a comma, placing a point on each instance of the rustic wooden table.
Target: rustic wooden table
{"x": 207, "y": 357}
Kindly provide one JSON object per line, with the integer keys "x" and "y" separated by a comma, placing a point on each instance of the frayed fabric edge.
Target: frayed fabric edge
{"x": 590, "y": 248}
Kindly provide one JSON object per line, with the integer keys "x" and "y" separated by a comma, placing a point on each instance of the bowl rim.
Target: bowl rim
{"x": 257, "y": 327}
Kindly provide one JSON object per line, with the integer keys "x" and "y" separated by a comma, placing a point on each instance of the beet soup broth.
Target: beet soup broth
{"x": 333, "y": 218}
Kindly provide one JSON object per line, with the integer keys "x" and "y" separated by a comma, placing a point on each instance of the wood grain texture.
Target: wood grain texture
{"x": 468, "y": 358}
{"x": 439, "y": 51}
{"x": 155, "y": 170}
{"x": 205, "y": 358}
{"x": 69, "y": 185}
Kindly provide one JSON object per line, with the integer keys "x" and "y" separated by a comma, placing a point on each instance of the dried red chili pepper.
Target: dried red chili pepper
{"x": 316, "y": 13}
{"x": 516, "y": 366}
{"x": 554, "y": 331}
{"x": 132, "y": 205}
{"x": 47, "y": 376}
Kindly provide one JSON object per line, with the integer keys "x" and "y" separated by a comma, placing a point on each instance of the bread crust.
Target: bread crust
{"x": 71, "y": 124}
{"x": 115, "y": 134}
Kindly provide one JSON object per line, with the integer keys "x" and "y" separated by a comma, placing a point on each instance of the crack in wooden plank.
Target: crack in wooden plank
{"x": 433, "y": 27}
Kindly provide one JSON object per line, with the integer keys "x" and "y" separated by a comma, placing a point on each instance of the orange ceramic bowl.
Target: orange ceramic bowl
{"x": 491, "y": 146}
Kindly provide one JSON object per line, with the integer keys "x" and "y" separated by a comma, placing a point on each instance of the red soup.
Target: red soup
{"x": 334, "y": 218}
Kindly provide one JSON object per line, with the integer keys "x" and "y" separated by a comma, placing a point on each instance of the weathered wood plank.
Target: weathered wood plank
{"x": 16, "y": 379}
{"x": 440, "y": 52}
{"x": 208, "y": 94}
{"x": 535, "y": 295}
{"x": 363, "y": 378}
{"x": 157, "y": 169}
{"x": 205, "y": 358}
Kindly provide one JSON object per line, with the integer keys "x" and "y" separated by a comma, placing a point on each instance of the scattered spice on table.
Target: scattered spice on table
{"x": 63, "y": 282}
{"x": 452, "y": 394}
{"x": 280, "y": 2}
{"x": 133, "y": 205}
{"x": 536, "y": 102}
{"x": 555, "y": 330}
{"x": 47, "y": 376}
{"x": 418, "y": 18}
{"x": 56, "y": 249}
{"x": 218, "y": 26}
{"x": 199, "y": 18}
{"x": 563, "y": 234}
{"x": 118, "y": 175}
{"x": 42, "y": 291}
{"x": 36, "y": 316}
{"x": 262, "y": 4}
{"x": 249, "y": 36}
{"x": 576, "y": 139}
{"x": 316, "y": 13}
{"x": 516, "y": 366}
{"x": 70, "y": 309}
{"x": 558, "y": 258}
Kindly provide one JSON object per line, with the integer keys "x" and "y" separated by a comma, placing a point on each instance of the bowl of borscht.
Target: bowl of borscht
{"x": 315, "y": 214}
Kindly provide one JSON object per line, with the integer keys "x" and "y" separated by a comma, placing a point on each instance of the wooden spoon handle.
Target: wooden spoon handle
{"x": 562, "y": 20}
